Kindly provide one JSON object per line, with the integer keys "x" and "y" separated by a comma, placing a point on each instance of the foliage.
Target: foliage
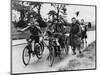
{"x": 60, "y": 8}
{"x": 26, "y": 10}
{"x": 77, "y": 13}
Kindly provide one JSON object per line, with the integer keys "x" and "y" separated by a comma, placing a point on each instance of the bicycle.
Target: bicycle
{"x": 38, "y": 51}
{"x": 54, "y": 48}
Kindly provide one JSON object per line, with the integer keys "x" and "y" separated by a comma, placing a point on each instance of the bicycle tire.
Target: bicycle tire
{"x": 23, "y": 56}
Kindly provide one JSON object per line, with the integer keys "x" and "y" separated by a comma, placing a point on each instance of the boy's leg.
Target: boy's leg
{"x": 36, "y": 39}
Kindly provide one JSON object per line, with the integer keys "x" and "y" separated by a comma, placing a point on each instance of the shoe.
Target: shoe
{"x": 74, "y": 54}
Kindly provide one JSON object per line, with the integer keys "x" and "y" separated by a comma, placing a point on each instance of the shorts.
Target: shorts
{"x": 84, "y": 35}
{"x": 32, "y": 37}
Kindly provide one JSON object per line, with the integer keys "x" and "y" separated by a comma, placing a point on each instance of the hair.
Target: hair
{"x": 49, "y": 33}
{"x": 82, "y": 19}
{"x": 73, "y": 18}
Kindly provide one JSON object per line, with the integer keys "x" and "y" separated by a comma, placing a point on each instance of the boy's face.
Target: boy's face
{"x": 74, "y": 21}
{"x": 82, "y": 21}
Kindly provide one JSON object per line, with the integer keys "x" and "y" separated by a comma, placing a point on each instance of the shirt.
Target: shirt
{"x": 34, "y": 30}
{"x": 74, "y": 28}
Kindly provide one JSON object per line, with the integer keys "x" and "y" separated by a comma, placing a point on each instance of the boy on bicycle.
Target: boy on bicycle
{"x": 34, "y": 30}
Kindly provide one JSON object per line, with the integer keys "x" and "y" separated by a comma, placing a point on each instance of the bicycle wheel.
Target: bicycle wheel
{"x": 39, "y": 51}
{"x": 42, "y": 46}
{"x": 52, "y": 56}
{"x": 26, "y": 56}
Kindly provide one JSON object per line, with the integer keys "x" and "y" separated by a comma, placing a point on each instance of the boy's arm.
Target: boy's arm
{"x": 25, "y": 28}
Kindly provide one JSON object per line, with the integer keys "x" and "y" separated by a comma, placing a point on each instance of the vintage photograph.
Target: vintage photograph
{"x": 52, "y": 37}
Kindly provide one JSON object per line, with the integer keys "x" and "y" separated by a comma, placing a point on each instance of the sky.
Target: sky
{"x": 86, "y": 12}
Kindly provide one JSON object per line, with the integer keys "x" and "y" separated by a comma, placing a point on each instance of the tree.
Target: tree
{"x": 23, "y": 9}
{"x": 27, "y": 10}
{"x": 77, "y": 13}
{"x": 19, "y": 6}
{"x": 37, "y": 5}
{"x": 60, "y": 8}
